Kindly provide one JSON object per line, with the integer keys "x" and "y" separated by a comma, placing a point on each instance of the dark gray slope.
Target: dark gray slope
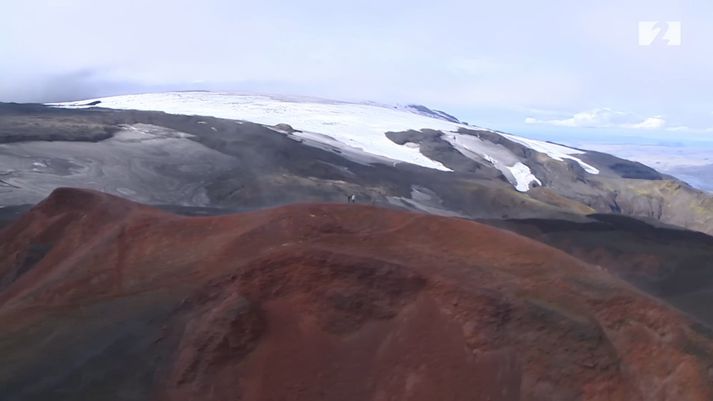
{"x": 672, "y": 264}
{"x": 210, "y": 162}
{"x": 36, "y": 122}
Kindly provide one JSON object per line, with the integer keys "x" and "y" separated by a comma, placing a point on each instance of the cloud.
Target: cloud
{"x": 649, "y": 123}
{"x": 603, "y": 118}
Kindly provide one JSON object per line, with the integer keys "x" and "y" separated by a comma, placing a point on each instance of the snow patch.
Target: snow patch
{"x": 557, "y": 152}
{"x": 516, "y": 172}
{"x": 523, "y": 177}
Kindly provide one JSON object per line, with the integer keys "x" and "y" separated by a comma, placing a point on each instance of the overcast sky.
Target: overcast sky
{"x": 521, "y": 64}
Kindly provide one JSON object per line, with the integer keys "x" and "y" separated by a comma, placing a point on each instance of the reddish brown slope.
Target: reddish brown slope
{"x": 106, "y": 299}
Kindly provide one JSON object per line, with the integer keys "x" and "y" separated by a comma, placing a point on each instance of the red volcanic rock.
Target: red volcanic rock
{"x": 101, "y": 298}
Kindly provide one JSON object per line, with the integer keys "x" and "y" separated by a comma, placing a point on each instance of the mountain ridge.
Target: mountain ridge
{"x": 188, "y": 160}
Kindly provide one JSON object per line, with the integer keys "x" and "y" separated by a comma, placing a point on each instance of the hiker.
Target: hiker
{"x": 351, "y": 198}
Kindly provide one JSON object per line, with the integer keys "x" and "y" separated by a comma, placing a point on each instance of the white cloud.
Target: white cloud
{"x": 603, "y": 118}
{"x": 656, "y": 122}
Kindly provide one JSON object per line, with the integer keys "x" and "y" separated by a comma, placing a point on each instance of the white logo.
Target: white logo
{"x": 660, "y": 33}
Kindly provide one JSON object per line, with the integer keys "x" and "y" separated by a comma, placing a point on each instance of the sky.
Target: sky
{"x": 560, "y": 67}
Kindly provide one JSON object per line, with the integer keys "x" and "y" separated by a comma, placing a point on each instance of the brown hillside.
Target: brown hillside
{"x": 101, "y": 298}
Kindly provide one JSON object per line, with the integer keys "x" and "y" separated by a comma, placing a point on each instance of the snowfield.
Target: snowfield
{"x": 360, "y": 126}
{"x": 354, "y": 127}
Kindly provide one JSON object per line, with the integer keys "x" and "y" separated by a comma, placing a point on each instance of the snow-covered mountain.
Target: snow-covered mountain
{"x": 236, "y": 152}
{"x": 357, "y": 129}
